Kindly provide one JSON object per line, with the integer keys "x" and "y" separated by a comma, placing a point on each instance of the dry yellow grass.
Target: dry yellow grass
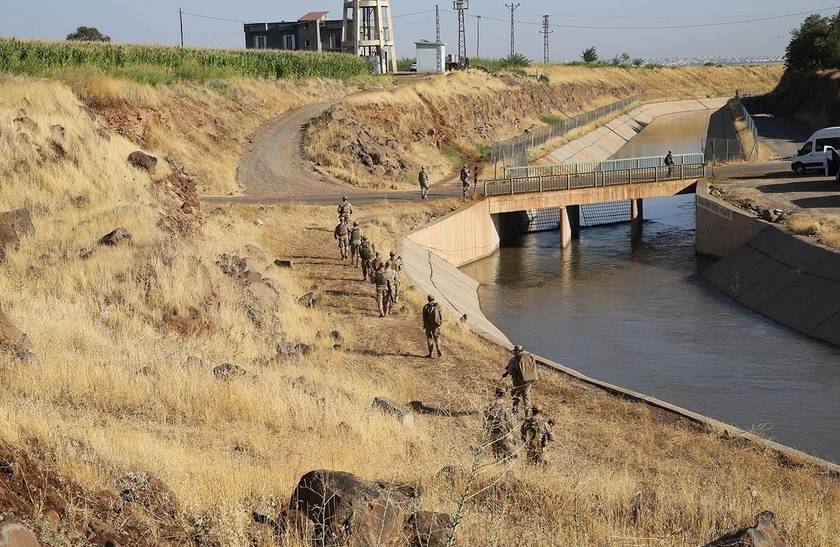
{"x": 441, "y": 121}
{"x": 113, "y": 390}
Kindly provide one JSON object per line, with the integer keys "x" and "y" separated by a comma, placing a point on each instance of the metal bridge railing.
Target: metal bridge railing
{"x": 592, "y": 179}
{"x": 610, "y": 165}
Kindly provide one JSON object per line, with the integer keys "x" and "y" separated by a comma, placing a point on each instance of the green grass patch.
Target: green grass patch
{"x": 455, "y": 157}
{"x": 158, "y": 64}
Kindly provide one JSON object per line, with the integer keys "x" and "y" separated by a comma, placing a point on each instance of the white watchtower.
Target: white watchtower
{"x": 368, "y": 32}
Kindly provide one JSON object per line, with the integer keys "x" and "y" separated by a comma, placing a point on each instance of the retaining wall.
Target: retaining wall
{"x": 788, "y": 278}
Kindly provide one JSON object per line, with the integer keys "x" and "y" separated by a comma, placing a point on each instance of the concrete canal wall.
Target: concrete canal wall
{"x": 788, "y": 278}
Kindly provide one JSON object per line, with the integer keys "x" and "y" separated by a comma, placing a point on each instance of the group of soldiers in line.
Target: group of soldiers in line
{"x": 463, "y": 176}
{"x": 361, "y": 251}
{"x": 499, "y": 420}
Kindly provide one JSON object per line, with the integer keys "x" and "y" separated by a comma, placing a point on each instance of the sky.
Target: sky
{"x": 156, "y": 21}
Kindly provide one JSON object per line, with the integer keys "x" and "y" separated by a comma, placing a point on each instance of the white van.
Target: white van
{"x": 813, "y": 156}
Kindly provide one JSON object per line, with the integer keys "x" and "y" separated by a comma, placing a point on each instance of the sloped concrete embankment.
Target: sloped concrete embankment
{"x": 790, "y": 279}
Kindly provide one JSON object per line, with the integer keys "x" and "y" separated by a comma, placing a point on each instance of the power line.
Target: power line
{"x": 512, "y": 7}
{"x": 213, "y": 17}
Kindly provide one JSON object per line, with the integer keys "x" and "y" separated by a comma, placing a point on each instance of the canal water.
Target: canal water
{"x": 639, "y": 315}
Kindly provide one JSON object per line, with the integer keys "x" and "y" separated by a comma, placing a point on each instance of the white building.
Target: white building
{"x": 431, "y": 56}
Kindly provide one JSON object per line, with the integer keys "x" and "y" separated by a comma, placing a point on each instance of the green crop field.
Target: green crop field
{"x": 155, "y": 64}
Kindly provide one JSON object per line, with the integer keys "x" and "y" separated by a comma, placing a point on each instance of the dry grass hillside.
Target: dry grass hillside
{"x": 381, "y": 139}
{"x": 117, "y": 389}
{"x": 813, "y": 96}
{"x": 204, "y": 125}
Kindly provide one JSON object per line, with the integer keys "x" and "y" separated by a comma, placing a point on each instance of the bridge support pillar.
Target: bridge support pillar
{"x": 569, "y": 224}
{"x": 637, "y": 218}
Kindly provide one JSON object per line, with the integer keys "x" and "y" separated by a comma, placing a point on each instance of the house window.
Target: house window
{"x": 289, "y": 41}
{"x": 260, "y": 42}
{"x": 307, "y": 44}
{"x": 333, "y": 41}
{"x": 305, "y": 26}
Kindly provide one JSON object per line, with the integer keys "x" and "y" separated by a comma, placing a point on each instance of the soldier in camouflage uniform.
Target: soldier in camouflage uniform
{"x": 342, "y": 235}
{"x": 396, "y": 266}
{"x": 366, "y": 254}
{"x": 498, "y": 424}
{"x": 382, "y": 277}
{"x": 355, "y": 244}
{"x": 522, "y": 369}
{"x": 376, "y": 264}
{"x": 536, "y": 434}
{"x": 345, "y": 210}
{"x": 432, "y": 321}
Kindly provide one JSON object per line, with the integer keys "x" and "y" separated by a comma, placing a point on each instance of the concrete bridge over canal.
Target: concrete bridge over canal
{"x": 567, "y": 187}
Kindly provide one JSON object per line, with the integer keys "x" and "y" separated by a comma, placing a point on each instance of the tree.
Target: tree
{"x": 516, "y": 60}
{"x": 590, "y": 55}
{"x": 638, "y": 61}
{"x": 88, "y": 34}
{"x": 815, "y": 44}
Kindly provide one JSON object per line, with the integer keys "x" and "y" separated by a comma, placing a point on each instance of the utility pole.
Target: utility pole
{"x": 512, "y": 8}
{"x": 437, "y": 38}
{"x": 181, "y": 19}
{"x": 461, "y": 6}
{"x": 546, "y": 30}
{"x": 478, "y": 35}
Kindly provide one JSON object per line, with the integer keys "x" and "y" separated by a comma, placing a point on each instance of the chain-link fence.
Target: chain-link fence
{"x": 749, "y": 155}
{"x": 514, "y": 152}
{"x": 718, "y": 149}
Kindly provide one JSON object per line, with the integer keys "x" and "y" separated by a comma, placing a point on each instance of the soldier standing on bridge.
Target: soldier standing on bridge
{"x": 669, "y": 162}
{"x": 423, "y": 178}
{"x": 345, "y": 209}
{"x": 355, "y": 244}
{"x": 342, "y": 235}
{"x": 432, "y": 321}
{"x": 465, "y": 179}
{"x": 522, "y": 369}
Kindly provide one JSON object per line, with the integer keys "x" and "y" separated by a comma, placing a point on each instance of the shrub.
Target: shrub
{"x": 589, "y": 55}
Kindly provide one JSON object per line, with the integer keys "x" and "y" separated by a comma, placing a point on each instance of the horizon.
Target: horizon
{"x": 213, "y": 24}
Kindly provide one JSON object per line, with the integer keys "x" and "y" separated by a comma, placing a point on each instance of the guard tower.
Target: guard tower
{"x": 368, "y": 32}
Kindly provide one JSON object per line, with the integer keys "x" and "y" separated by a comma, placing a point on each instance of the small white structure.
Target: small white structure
{"x": 431, "y": 57}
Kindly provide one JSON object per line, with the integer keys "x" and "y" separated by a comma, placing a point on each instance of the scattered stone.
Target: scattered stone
{"x": 115, "y": 237}
{"x": 57, "y": 131}
{"x": 12, "y": 339}
{"x": 194, "y": 362}
{"x": 227, "y": 371}
{"x": 254, "y": 252}
{"x": 252, "y": 276}
{"x": 146, "y": 490}
{"x": 453, "y": 473}
{"x": 86, "y": 253}
{"x": 100, "y": 532}
{"x": 464, "y": 318}
{"x": 289, "y": 350}
{"x": 344, "y": 428}
{"x": 2, "y": 255}
{"x": 14, "y": 534}
{"x": 421, "y": 408}
{"x": 763, "y": 534}
{"x": 254, "y": 316}
{"x": 80, "y": 201}
{"x": 428, "y": 529}
{"x": 20, "y": 220}
{"x": 337, "y": 339}
{"x": 309, "y": 300}
{"x": 52, "y": 518}
{"x": 261, "y": 291}
{"x": 394, "y": 409}
{"x": 259, "y": 222}
{"x": 196, "y": 320}
{"x": 25, "y": 123}
{"x": 275, "y": 285}
{"x": 282, "y": 263}
{"x": 143, "y": 161}
{"x": 8, "y": 237}
{"x": 347, "y": 510}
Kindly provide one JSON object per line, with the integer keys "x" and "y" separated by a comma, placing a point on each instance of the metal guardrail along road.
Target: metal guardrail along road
{"x": 599, "y": 166}
{"x": 592, "y": 179}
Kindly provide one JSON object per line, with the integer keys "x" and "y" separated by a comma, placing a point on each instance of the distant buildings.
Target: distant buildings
{"x": 312, "y": 32}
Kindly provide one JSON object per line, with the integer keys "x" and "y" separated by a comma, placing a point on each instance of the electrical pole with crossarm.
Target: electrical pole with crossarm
{"x": 512, "y": 8}
{"x": 461, "y": 6}
{"x": 546, "y": 30}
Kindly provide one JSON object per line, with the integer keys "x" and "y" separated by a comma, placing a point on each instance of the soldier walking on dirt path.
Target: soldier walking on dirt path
{"x": 366, "y": 254}
{"x": 522, "y": 369}
{"x": 432, "y": 321}
{"x": 383, "y": 279}
{"x": 536, "y": 434}
{"x": 669, "y": 162}
{"x": 345, "y": 209}
{"x": 465, "y": 179}
{"x": 423, "y": 179}
{"x": 498, "y": 425}
{"x": 395, "y": 263}
{"x": 342, "y": 235}
{"x": 376, "y": 264}
{"x": 355, "y": 244}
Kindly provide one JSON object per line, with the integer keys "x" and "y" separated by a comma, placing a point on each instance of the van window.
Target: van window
{"x": 833, "y": 142}
{"x": 805, "y": 149}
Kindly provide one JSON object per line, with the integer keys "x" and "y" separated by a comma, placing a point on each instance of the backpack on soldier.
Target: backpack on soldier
{"x": 528, "y": 368}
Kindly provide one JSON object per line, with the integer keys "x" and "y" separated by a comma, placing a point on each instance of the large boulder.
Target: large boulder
{"x": 20, "y": 219}
{"x": 347, "y": 510}
{"x": 115, "y": 237}
{"x": 428, "y": 529}
{"x": 143, "y": 161}
{"x": 763, "y": 534}
{"x": 13, "y": 534}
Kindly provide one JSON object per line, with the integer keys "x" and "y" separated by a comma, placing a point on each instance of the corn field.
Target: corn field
{"x": 172, "y": 63}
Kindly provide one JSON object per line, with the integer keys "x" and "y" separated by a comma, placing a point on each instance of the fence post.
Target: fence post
{"x": 629, "y": 176}
{"x": 656, "y": 174}
{"x": 682, "y": 175}
{"x": 485, "y": 188}
{"x": 568, "y": 181}
{"x": 511, "y": 186}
